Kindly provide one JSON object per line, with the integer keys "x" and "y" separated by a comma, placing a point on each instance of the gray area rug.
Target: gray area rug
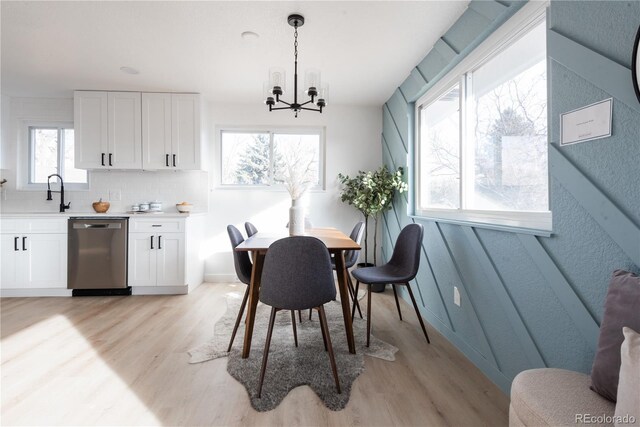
{"x": 289, "y": 367}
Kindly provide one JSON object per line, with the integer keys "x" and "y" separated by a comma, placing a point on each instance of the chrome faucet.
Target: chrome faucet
{"x": 63, "y": 207}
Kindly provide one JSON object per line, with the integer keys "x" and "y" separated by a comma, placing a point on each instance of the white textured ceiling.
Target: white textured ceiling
{"x": 364, "y": 49}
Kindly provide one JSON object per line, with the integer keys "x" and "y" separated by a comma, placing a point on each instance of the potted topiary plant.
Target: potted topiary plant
{"x": 372, "y": 193}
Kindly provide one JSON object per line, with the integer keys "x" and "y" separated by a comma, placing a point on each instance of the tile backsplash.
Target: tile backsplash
{"x": 132, "y": 186}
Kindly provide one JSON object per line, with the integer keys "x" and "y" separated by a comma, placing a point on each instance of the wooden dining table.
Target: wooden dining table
{"x": 336, "y": 242}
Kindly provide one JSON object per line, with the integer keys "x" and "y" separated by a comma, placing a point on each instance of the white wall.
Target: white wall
{"x": 352, "y": 143}
{"x": 169, "y": 187}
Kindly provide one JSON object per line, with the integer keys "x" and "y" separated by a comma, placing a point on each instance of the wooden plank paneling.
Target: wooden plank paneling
{"x": 616, "y": 223}
{"x": 575, "y": 308}
{"x": 606, "y": 74}
{"x": 489, "y": 9}
{"x": 515, "y": 319}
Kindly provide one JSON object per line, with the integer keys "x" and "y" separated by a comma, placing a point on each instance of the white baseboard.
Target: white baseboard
{"x": 221, "y": 278}
{"x": 11, "y": 293}
{"x": 159, "y": 290}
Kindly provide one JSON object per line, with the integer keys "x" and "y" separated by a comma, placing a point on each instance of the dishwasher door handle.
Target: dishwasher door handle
{"x": 84, "y": 226}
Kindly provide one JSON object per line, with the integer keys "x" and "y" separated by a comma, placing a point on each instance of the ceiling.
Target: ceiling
{"x": 364, "y": 49}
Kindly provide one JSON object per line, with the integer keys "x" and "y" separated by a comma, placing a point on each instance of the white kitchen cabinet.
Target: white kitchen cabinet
{"x": 170, "y": 259}
{"x": 108, "y": 130}
{"x": 156, "y": 258}
{"x": 34, "y": 261}
{"x": 171, "y": 131}
{"x": 90, "y": 125}
{"x": 142, "y": 260}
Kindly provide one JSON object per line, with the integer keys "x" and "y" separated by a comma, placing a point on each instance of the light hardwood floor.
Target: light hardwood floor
{"x": 123, "y": 361}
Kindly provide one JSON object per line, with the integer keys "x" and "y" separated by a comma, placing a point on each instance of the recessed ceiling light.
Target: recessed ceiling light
{"x": 249, "y": 35}
{"x": 129, "y": 70}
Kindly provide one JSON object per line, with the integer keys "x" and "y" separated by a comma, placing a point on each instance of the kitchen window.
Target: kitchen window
{"x": 257, "y": 158}
{"x": 481, "y": 150}
{"x": 52, "y": 150}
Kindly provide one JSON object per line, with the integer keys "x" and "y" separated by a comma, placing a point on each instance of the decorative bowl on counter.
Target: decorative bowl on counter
{"x": 100, "y": 206}
{"x": 184, "y": 207}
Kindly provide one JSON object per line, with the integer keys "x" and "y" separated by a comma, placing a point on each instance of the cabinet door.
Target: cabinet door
{"x": 142, "y": 259}
{"x": 156, "y": 131}
{"x": 12, "y": 271}
{"x": 125, "y": 130}
{"x": 171, "y": 260}
{"x": 90, "y": 129}
{"x": 185, "y": 130}
{"x": 46, "y": 261}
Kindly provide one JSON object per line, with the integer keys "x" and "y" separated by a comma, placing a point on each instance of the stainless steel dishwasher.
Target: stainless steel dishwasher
{"x": 97, "y": 256}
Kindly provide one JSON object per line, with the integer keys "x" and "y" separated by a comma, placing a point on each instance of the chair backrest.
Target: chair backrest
{"x": 251, "y": 229}
{"x": 240, "y": 259}
{"x": 406, "y": 253}
{"x": 297, "y": 274}
{"x": 350, "y": 257}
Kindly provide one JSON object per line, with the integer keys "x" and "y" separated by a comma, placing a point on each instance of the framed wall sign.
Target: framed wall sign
{"x": 586, "y": 123}
{"x": 635, "y": 65}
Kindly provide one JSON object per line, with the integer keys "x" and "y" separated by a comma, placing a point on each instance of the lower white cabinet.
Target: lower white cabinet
{"x": 156, "y": 258}
{"x": 34, "y": 261}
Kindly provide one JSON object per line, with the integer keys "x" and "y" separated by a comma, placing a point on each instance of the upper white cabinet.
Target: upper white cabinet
{"x": 108, "y": 130}
{"x": 171, "y": 131}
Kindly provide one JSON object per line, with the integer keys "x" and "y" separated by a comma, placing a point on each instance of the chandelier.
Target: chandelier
{"x": 274, "y": 88}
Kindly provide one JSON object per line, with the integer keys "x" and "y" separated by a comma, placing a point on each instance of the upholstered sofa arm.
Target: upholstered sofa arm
{"x": 556, "y": 397}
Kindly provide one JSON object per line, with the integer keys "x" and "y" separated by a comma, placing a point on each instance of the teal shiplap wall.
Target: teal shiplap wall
{"x": 531, "y": 301}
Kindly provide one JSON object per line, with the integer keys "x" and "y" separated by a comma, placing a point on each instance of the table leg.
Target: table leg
{"x": 254, "y": 291}
{"x": 342, "y": 272}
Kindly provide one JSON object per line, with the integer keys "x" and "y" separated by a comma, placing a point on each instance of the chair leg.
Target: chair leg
{"x": 325, "y": 329}
{"x": 235, "y": 328}
{"x": 354, "y": 296}
{"x": 368, "y": 313}
{"x": 415, "y": 306}
{"x": 395, "y": 294}
{"x": 295, "y": 330}
{"x": 324, "y": 336}
{"x": 267, "y": 344}
{"x": 310, "y": 313}
{"x": 353, "y": 309}
{"x": 300, "y": 315}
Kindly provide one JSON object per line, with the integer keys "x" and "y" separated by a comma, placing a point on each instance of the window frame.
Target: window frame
{"x": 28, "y": 153}
{"x": 530, "y": 222}
{"x": 271, "y": 130}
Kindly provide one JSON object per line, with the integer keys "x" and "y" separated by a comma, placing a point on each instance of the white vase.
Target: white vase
{"x": 296, "y": 219}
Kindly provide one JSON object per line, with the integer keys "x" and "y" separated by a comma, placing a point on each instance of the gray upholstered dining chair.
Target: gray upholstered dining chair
{"x": 297, "y": 275}
{"x": 251, "y": 229}
{"x": 400, "y": 270}
{"x": 243, "y": 268}
{"x": 350, "y": 259}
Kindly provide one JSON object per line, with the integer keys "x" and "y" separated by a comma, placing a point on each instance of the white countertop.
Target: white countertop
{"x": 99, "y": 215}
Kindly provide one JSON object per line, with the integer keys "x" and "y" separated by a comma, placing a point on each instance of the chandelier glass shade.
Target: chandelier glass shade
{"x": 275, "y": 88}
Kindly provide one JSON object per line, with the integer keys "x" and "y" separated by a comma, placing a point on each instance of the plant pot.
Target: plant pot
{"x": 376, "y": 287}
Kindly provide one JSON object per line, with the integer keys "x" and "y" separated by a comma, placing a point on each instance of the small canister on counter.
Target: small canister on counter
{"x": 135, "y": 208}
{"x": 155, "y": 206}
{"x": 144, "y": 207}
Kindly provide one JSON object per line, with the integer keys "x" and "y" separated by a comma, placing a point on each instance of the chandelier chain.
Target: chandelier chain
{"x": 295, "y": 43}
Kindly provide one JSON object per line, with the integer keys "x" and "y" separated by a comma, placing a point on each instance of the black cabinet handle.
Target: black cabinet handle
{"x": 174, "y": 160}
{"x": 24, "y": 243}
{"x": 159, "y": 242}
{"x": 167, "y": 160}
{"x": 110, "y": 159}
{"x": 15, "y": 244}
{"x": 151, "y": 242}
{"x": 103, "y": 159}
